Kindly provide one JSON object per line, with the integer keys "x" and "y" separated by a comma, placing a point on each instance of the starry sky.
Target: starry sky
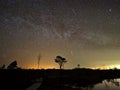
{"x": 85, "y": 32}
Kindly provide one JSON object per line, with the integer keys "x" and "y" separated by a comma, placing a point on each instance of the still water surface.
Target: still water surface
{"x": 112, "y": 84}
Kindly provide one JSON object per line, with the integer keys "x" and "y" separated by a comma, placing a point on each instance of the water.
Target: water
{"x": 112, "y": 84}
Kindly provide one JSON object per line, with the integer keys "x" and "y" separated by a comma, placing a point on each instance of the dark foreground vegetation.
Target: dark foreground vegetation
{"x": 20, "y": 79}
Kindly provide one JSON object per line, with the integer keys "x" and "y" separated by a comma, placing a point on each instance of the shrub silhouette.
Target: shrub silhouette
{"x": 12, "y": 65}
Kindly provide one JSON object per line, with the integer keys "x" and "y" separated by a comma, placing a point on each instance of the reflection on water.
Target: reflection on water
{"x": 110, "y": 84}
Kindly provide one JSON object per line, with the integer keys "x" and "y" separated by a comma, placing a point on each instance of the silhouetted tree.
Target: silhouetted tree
{"x": 60, "y": 60}
{"x": 12, "y": 65}
{"x": 78, "y": 66}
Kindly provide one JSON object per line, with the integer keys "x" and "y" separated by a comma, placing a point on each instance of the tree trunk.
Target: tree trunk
{"x": 60, "y": 66}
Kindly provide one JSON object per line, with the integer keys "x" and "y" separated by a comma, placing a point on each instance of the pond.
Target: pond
{"x": 111, "y": 84}
{"x": 108, "y": 84}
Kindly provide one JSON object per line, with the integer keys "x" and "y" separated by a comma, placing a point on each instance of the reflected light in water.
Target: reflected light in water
{"x": 108, "y": 85}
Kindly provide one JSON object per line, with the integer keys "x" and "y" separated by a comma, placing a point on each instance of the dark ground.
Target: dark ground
{"x": 20, "y": 79}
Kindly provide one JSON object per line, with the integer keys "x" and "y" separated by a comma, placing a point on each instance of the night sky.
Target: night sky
{"x": 85, "y": 32}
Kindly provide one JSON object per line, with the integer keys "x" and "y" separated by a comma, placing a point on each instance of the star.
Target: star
{"x": 110, "y": 10}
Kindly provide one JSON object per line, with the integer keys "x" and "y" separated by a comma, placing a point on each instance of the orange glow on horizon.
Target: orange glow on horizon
{"x": 41, "y": 67}
{"x": 117, "y": 66}
{"x": 54, "y": 67}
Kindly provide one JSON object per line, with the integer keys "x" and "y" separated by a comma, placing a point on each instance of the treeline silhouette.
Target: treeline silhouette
{"x": 55, "y": 79}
